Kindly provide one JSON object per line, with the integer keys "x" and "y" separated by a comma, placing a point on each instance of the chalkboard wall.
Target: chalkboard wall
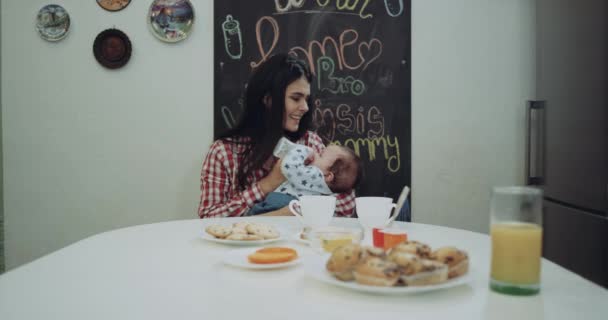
{"x": 359, "y": 53}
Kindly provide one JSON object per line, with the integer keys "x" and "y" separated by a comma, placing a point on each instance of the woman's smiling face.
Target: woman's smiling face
{"x": 296, "y": 103}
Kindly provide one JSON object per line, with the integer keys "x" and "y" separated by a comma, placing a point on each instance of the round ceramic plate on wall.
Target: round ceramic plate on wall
{"x": 112, "y": 48}
{"x": 53, "y": 22}
{"x": 113, "y": 5}
{"x": 171, "y": 20}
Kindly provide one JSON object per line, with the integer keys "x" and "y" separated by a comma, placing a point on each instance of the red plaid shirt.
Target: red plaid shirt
{"x": 220, "y": 196}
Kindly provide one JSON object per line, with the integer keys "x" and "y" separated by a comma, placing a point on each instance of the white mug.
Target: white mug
{"x": 314, "y": 211}
{"x": 375, "y": 211}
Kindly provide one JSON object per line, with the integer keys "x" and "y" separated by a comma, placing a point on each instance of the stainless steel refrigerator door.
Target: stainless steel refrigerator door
{"x": 577, "y": 241}
{"x": 572, "y": 68}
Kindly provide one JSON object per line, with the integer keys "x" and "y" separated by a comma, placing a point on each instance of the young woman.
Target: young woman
{"x": 239, "y": 169}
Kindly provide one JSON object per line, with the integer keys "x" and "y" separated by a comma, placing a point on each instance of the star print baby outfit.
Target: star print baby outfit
{"x": 302, "y": 180}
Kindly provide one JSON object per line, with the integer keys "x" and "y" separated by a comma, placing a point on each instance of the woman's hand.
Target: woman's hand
{"x": 273, "y": 180}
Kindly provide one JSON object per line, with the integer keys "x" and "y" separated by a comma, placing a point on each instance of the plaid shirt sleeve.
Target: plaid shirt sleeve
{"x": 345, "y": 202}
{"x": 218, "y": 196}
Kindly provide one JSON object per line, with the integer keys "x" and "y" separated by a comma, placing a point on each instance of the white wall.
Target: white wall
{"x": 87, "y": 149}
{"x": 472, "y": 71}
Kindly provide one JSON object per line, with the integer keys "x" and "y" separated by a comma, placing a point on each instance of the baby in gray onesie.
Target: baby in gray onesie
{"x": 336, "y": 169}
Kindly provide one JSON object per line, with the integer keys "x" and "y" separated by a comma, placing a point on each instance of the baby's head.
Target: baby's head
{"x": 342, "y": 168}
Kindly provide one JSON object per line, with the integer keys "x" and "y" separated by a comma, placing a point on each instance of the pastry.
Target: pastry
{"x": 240, "y": 227}
{"x": 218, "y": 231}
{"x": 243, "y": 237}
{"x": 431, "y": 272}
{"x": 272, "y": 255}
{"x": 263, "y": 230}
{"x": 377, "y": 272}
{"x": 343, "y": 261}
{"x": 373, "y": 252}
{"x": 456, "y": 260}
{"x": 240, "y": 224}
{"x": 243, "y": 230}
{"x": 408, "y": 263}
{"x": 239, "y": 230}
{"x": 420, "y": 249}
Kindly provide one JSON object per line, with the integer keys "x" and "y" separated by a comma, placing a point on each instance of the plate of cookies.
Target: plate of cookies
{"x": 262, "y": 258}
{"x": 242, "y": 233}
{"x": 410, "y": 267}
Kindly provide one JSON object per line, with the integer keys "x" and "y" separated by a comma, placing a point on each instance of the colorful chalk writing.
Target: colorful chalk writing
{"x": 347, "y": 42}
{"x": 228, "y": 117}
{"x": 367, "y": 51}
{"x": 389, "y": 148}
{"x": 358, "y": 52}
{"x": 258, "y": 37}
{"x": 394, "y": 8}
{"x": 288, "y": 6}
{"x": 233, "y": 40}
{"x": 346, "y": 121}
{"x": 349, "y": 5}
{"x": 326, "y": 81}
{"x": 228, "y": 114}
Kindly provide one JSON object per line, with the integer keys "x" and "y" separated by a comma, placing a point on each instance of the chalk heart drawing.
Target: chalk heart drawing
{"x": 370, "y": 51}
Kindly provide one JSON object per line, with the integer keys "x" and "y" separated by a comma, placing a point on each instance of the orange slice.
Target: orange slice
{"x": 272, "y": 255}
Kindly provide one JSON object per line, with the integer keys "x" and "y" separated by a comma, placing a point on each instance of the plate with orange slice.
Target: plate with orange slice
{"x": 262, "y": 258}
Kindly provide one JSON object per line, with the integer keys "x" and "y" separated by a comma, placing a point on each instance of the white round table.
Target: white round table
{"x": 167, "y": 271}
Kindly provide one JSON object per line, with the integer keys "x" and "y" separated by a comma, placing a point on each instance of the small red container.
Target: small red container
{"x": 378, "y": 237}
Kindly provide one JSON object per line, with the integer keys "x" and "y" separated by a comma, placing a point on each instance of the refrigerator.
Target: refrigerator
{"x": 567, "y": 153}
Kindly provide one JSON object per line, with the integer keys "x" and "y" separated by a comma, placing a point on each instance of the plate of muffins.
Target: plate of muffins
{"x": 410, "y": 267}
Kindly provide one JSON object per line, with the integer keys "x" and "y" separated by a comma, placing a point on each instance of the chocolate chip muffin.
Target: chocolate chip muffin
{"x": 418, "y": 248}
{"x": 343, "y": 261}
{"x": 456, "y": 260}
{"x": 377, "y": 272}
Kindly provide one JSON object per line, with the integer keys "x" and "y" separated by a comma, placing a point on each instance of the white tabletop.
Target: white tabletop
{"x": 166, "y": 271}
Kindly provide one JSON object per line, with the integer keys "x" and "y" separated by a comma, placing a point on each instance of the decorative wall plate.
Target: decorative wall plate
{"x": 112, "y": 48}
{"x": 171, "y": 20}
{"x": 53, "y": 22}
{"x": 113, "y": 5}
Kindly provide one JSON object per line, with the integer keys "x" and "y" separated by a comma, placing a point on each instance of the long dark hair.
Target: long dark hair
{"x": 262, "y": 126}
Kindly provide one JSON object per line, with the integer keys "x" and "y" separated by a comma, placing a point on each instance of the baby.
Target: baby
{"x": 336, "y": 169}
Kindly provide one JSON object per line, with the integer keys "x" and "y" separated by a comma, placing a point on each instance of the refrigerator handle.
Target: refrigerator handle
{"x": 535, "y": 142}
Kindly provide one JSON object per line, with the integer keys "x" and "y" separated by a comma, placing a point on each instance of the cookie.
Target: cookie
{"x": 240, "y": 225}
{"x": 243, "y": 237}
{"x": 239, "y": 230}
{"x": 219, "y": 231}
{"x": 263, "y": 230}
